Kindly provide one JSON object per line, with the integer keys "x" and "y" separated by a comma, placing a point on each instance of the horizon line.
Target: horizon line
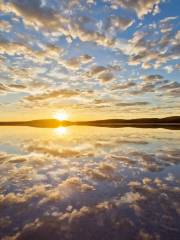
{"x": 171, "y": 122}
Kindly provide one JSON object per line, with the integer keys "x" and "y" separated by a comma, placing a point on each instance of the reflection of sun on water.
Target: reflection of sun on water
{"x": 61, "y": 131}
{"x": 61, "y": 116}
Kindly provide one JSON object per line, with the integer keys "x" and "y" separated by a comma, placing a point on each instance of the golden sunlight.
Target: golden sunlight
{"x": 61, "y": 115}
{"x": 61, "y": 131}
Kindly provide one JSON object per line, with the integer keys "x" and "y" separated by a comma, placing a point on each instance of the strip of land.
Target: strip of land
{"x": 168, "y": 122}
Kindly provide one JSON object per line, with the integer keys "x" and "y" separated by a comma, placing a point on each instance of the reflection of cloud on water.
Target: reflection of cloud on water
{"x": 77, "y": 187}
{"x": 152, "y": 205}
{"x": 149, "y": 162}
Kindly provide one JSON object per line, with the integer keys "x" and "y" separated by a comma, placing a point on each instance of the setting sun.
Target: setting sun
{"x": 61, "y": 116}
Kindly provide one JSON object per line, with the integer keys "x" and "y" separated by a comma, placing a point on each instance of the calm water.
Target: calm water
{"x": 89, "y": 183}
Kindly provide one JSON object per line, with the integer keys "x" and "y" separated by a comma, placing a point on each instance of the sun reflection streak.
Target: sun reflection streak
{"x": 61, "y": 131}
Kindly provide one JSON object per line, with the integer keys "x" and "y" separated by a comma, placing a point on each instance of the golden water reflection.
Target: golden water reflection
{"x": 89, "y": 182}
{"x": 61, "y": 131}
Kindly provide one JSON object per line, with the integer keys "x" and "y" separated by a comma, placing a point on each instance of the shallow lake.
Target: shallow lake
{"x": 89, "y": 183}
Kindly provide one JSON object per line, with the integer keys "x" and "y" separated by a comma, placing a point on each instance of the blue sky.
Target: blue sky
{"x": 92, "y": 59}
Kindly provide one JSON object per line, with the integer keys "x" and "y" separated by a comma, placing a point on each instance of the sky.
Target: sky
{"x": 91, "y": 59}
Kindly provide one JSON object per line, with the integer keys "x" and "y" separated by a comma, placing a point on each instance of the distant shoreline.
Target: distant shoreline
{"x": 168, "y": 122}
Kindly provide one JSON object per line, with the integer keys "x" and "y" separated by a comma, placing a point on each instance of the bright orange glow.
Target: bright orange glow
{"x": 61, "y": 131}
{"x": 61, "y": 115}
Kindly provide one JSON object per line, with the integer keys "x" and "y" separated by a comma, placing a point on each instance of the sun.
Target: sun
{"x": 62, "y": 116}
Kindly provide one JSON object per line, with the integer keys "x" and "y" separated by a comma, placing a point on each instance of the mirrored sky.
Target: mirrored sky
{"x": 93, "y": 59}
{"x": 88, "y": 183}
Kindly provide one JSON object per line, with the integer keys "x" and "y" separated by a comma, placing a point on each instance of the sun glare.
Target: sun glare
{"x": 61, "y": 116}
{"x": 61, "y": 131}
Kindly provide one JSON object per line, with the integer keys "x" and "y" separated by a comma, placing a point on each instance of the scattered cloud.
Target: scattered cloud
{"x": 140, "y": 7}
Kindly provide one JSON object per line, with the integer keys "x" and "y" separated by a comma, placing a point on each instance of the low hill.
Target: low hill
{"x": 172, "y": 122}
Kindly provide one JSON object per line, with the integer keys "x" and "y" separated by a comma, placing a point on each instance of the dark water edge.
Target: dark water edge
{"x": 172, "y": 122}
{"x": 170, "y": 126}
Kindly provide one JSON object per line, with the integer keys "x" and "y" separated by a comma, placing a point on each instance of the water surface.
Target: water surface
{"x": 89, "y": 183}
